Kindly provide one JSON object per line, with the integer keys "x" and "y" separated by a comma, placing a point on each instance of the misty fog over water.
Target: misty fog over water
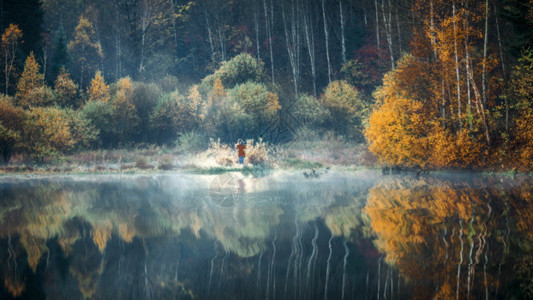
{"x": 353, "y": 235}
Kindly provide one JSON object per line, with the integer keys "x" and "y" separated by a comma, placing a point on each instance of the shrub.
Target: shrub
{"x": 240, "y": 69}
{"x": 84, "y": 133}
{"x": 145, "y": 99}
{"x": 256, "y": 101}
{"x": 310, "y": 112}
{"x": 344, "y": 103}
{"x": 256, "y": 153}
{"x": 166, "y": 163}
{"x": 171, "y": 117}
{"x": 46, "y": 133}
{"x": 100, "y": 116}
{"x": 11, "y": 126}
{"x": 66, "y": 90}
{"x": 141, "y": 163}
{"x": 192, "y": 141}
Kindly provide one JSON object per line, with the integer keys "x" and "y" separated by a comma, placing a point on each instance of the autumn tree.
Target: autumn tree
{"x": 66, "y": 90}
{"x": 30, "y": 82}
{"x": 85, "y": 49}
{"x": 11, "y": 40}
{"x": 398, "y": 126}
{"x": 98, "y": 91}
{"x": 46, "y": 133}
{"x": 11, "y": 126}
{"x": 125, "y": 118}
{"x": 240, "y": 69}
{"x": 345, "y": 108}
{"x": 258, "y": 102}
{"x": 521, "y": 89}
{"x": 197, "y": 103}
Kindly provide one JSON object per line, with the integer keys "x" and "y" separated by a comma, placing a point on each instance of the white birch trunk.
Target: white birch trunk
{"x": 343, "y": 43}
{"x": 310, "y": 40}
{"x": 326, "y": 37}
{"x": 457, "y": 65}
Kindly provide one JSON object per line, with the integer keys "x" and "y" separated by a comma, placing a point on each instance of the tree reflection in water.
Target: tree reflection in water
{"x": 340, "y": 236}
{"x": 456, "y": 237}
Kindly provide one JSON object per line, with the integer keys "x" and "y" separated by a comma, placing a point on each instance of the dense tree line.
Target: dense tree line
{"x": 454, "y": 74}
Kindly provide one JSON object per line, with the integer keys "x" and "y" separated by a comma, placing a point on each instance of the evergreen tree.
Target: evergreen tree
{"x": 60, "y": 57}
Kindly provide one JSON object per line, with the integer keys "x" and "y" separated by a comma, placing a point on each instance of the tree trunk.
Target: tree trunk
{"x": 399, "y": 31}
{"x": 343, "y": 43}
{"x": 500, "y": 48}
{"x": 457, "y": 65}
{"x": 485, "y": 44}
{"x": 269, "y": 37}
{"x": 256, "y": 21}
{"x": 292, "y": 43}
{"x": 326, "y": 37}
{"x": 388, "y": 33}
{"x": 209, "y": 35}
{"x": 377, "y": 24}
{"x": 467, "y": 63}
{"x": 310, "y": 40}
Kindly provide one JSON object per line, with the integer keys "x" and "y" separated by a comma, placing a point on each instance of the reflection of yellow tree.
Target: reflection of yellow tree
{"x": 439, "y": 230}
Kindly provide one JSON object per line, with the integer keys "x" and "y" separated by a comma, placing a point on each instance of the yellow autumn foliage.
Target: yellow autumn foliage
{"x": 98, "y": 90}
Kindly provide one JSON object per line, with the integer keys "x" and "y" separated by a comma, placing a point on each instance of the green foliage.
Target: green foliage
{"x": 172, "y": 117}
{"x": 66, "y": 90}
{"x": 310, "y": 112}
{"x": 344, "y": 103}
{"x": 85, "y": 49}
{"x": 240, "y": 69}
{"x": 46, "y": 133}
{"x": 145, "y": 99}
{"x": 227, "y": 120}
{"x": 357, "y": 75}
{"x": 192, "y": 142}
{"x": 100, "y": 116}
{"x": 83, "y": 132}
{"x": 257, "y": 102}
{"x": 521, "y": 90}
{"x": 61, "y": 57}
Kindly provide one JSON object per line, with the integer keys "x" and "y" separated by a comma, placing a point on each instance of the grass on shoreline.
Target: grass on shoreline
{"x": 215, "y": 159}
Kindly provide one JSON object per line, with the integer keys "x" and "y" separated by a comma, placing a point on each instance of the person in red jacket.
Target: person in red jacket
{"x": 240, "y": 147}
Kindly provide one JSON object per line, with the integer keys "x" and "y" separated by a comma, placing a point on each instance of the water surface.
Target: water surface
{"x": 354, "y": 235}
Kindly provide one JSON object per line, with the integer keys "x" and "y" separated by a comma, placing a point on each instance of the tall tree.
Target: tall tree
{"x": 28, "y": 16}
{"x": 30, "y": 80}
{"x": 60, "y": 57}
{"x": 292, "y": 40}
{"x": 326, "y": 38}
{"x": 98, "y": 91}
{"x": 85, "y": 49}
{"x": 11, "y": 40}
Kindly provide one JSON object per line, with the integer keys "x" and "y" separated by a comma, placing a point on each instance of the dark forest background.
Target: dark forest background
{"x": 151, "y": 71}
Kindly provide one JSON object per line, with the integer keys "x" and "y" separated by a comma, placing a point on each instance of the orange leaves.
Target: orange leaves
{"x": 98, "y": 91}
{"x": 46, "y": 132}
{"x": 217, "y": 92}
{"x": 398, "y": 128}
{"x": 29, "y": 82}
{"x": 65, "y": 89}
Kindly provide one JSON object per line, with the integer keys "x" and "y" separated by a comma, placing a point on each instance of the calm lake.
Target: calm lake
{"x": 336, "y": 235}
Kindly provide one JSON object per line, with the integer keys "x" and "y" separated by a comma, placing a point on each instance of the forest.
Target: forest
{"x": 423, "y": 84}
